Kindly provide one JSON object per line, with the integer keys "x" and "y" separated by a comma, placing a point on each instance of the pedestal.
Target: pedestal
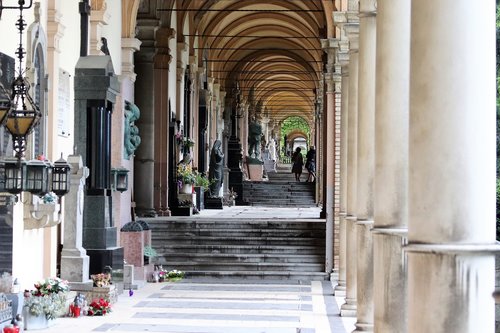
{"x": 255, "y": 171}
{"x": 213, "y": 203}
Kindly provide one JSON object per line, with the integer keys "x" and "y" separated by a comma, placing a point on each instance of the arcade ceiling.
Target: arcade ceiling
{"x": 272, "y": 47}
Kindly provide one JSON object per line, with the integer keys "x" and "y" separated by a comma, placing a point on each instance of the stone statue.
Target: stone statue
{"x": 216, "y": 169}
{"x": 254, "y": 137}
{"x": 272, "y": 149}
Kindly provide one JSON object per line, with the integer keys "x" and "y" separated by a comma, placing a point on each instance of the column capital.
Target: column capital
{"x": 352, "y": 32}
{"x": 367, "y": 8}
{"x": 129, "y": 47}
{"x": 348, "y": 22}
{"x": 162, "y": 56}
{"x": 55, "y": 30}
{"x": 330, "y": 47}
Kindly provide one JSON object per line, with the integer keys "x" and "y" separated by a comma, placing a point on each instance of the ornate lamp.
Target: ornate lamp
{"x": 24, "y": 114}
{"x": 37, "y": 177}
{"x": 15, "y": 171}
{"x": 60, "y": 177}
{"x": 20, "y": 115}
{"x": 119, "y": 177}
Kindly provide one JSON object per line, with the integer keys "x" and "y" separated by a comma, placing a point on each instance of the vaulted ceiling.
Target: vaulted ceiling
{"x": 272, "y": 46}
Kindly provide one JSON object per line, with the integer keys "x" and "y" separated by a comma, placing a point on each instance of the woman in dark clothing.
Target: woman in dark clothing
{"x": 298, "y": 163}
{"x": 311, "y": 164}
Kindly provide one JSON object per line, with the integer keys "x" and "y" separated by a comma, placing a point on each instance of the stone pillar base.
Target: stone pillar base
{"x": 340, "y": 289}
{"x": 363, "y": 327}
{"x": 364, "y": 280}
{"x": 349, "y": 308}
{"x": 451, "y": 286}
{"x": 389, "y": 279}
{"x": 75, "y": 268}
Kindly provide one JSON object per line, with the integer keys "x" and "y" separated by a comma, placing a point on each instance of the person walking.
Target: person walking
{"x": 298, "y": 163}
{"x": 311, "y": 164}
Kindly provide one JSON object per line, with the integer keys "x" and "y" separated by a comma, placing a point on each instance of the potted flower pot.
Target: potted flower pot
{"x": 186, "y": 188}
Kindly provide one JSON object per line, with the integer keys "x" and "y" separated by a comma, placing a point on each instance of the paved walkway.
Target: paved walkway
{"x": 218, "y": 306}
{"x": 224, "y": 306}
{"x": 253, "y": 212}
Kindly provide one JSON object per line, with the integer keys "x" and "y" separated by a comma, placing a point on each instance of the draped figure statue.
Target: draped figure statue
{"x": 216, "y": 169}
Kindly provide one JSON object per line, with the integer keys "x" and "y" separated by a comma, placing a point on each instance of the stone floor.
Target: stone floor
{"x": 219, "y": 306}
{"x": 224, "y": 306}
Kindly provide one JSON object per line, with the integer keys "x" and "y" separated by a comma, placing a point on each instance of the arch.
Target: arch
{"x": 129, "y": 17}
{"x": 36, "y": 61}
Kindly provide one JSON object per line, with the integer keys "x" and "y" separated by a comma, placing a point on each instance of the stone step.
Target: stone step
{"x": 233, "y": 223}
{"x": 221, "y": 240}
{"x": 239, "y": 249}
{"x": 242, "y": 258}
{"x": 216, "y": 232}
{"x": 242, "y": 266}
{"x": 289, "y": 203}
{"x": 299, "y": 198}
{"x": 279, "y": 190}
{"x": 260, "y": 275}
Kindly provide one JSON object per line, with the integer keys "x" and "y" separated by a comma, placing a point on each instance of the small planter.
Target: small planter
{"x": 186, "y": 189}
{"x": 32, "y": 322}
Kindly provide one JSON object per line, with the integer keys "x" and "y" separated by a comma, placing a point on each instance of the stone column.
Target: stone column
{"x": 144, "y": 98}
{"x": 161, "y": 125}
{"x": 329, "y": 46}
{"x": 366, "y": 164}
{"x": 451, "y": 226}
{"x": 391, "y": 165}
{"x": 351, "y": 29}
{"x": 343, "y": 60}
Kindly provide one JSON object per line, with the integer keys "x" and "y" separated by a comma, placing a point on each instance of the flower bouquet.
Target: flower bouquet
{"x": 174, "y": 275}
{"x": 101, "y": 279}
{"x": 99, "y": 307}
{"x": 48, "y": 298}
{"x": 185, "y": 174}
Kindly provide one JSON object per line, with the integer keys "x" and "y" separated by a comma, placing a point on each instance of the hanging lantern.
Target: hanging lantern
{"x": 60, "y": 177}
{"x": 23, "y": 117}
{"x": 37, "y": 179}
{"x": 119, "y": 177}
{"x": 15, "y": 171}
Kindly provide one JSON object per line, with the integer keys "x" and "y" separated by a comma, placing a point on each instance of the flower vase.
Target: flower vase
{"x": 36, "y": 322}
{"x": 186, "y": 189}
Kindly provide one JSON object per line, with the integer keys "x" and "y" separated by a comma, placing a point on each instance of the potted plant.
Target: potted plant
{"x": 201, "y": 185}
{"x": 187, "y": 142}
{"x": 45, "y": 303}
{"x": 175, "y": 275}
{"x": 185, "y": 178}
